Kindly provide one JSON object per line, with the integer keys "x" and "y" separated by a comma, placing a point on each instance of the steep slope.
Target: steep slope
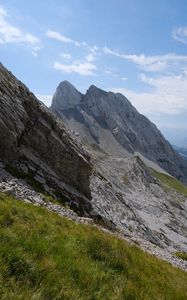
{"x": 44, "y": 256}
{"x": 141, "y": 202}
{"x": 33, "y": 142}
{"x": 109, "y": 120}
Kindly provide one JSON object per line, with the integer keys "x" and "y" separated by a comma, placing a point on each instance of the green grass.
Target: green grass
{"x": 44, "y": 257}
{"x": 182, "y": 255}
{"x": 170, "y": 182}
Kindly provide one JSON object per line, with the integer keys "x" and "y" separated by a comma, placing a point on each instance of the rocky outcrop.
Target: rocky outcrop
{"x": 34, "y": 142}
{"x": 133, "y": 199}
{"x": 109, "y": 120}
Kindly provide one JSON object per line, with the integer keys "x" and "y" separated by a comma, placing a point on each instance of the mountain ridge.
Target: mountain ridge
{"x": 106, "y": 118}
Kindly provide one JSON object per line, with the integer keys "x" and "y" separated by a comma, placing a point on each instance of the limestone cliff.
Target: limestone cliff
{"x": 35, "y": 142}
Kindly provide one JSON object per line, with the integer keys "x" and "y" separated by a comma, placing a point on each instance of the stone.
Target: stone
{"x": 34, "y": 142}
{"x": 110, "y": 121}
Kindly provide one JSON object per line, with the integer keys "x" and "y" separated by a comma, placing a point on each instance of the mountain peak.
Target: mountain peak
{"x": 93, "y": 87}
{"x": 66, "y": 96}
{"x": 95, "y": 90}
{"x": 66, "y": 84}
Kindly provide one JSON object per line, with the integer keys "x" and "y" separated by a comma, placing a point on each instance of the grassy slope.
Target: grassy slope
{"x": 44, "y": 256}
{"x": 182, "y": 255}
{"x": 171, "y": 182}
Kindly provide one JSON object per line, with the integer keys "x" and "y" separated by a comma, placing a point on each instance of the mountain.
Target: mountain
{"x": 34, "y": 142}
{"x": 101, "y": 181}
{"x": 135, "y": 160}
{"x": 111, "y": 122}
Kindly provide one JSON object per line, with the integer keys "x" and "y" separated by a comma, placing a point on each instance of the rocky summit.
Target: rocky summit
{"x": 104, "y": 161}
{"x": 110, "y": 121}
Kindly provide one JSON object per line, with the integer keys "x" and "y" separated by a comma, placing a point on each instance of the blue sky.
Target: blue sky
{"x": 136, "y": 47}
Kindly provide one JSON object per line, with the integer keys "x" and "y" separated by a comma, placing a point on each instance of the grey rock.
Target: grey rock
{"x": 124, "y": 145}
{"x": 110, "y": 121}
{"x": 131, "y": 198}
{"x": 69, "y": 94}
{"x": 36, "y": 143}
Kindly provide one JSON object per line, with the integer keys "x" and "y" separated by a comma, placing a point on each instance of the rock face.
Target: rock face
{"x": 133, "y": 199}
{"x": 35, "y": 143}
{"x": 119, "y": 192}
{"x": 110, "y": 121}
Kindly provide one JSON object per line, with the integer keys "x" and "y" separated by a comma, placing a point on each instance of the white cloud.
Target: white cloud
{"x": 93, "y": 49}
{"x": 66, "y": 56}
{"x": 168, "y": 95}
{"x": 112, "y": 72}
{"x": 59, "y": 37}
{"x": 46, "y": 99}
{"x": 108, "y": 72}
{"x": 12, "y": 34}
{"x": 155, "y": 63}
{"x": 83, "y": 68}
{"x": 3, "y": 12}
{"x": 180, "y": 34}
{"x": 90, "y": 57}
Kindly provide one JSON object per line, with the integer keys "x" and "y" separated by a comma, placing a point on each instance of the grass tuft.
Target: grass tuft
{"x": 182, "y": 255}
